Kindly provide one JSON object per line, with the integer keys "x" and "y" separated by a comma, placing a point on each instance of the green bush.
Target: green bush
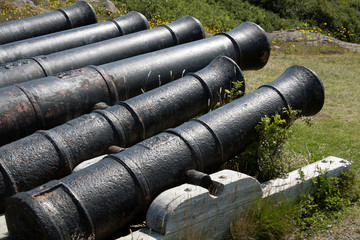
{"x": 331, "y": 194}
{"x": 340, "y": 18}
{"x": 265, "y": 158}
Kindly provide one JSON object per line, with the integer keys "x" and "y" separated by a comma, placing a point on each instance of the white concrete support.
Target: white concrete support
{"x": 3, "y": 228}
{"x": 184, "y": 211}
{"x": 300, "y": 181}
{"x": 188, "y": 211}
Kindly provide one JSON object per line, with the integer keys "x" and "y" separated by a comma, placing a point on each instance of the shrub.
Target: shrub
{"x": 265, "y": 158}
{"x": 331, "y": 194}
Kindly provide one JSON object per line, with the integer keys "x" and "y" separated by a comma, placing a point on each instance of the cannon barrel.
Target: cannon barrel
{"x": 79, "y": 14}
{"x": 52, "y": 154}
{"x": 48, "y": 102}
{"x": 59, "y": 41}
{"x": 100, "y": 199}
{"x": 183, "y": 30}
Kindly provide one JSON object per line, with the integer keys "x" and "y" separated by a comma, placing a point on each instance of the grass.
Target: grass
{"x": 266, "y": 220}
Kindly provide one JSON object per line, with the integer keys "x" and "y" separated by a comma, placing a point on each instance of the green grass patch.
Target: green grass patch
{"x": 266, "y": 219}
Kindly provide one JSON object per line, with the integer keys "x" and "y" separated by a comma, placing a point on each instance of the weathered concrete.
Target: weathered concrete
{"x": 293, "y": 185}
{"x": 188, "y": 211}
{"x": 3, "y": 228}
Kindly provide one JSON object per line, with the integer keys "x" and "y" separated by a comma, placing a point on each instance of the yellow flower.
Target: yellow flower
{"x": 325, "y": 23}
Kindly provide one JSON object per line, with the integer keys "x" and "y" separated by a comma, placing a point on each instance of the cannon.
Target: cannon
{"x": 79, "y": 14}
{"x": 59, "y": 41}
{"x": 48, "y": 102}
{"x": 180, "y": 31}
{"x": 98, "y": 200}
{"x": 52, "y": 154}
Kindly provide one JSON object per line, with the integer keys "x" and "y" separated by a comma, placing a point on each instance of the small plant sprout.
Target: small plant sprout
{"x": 226, "y": 95}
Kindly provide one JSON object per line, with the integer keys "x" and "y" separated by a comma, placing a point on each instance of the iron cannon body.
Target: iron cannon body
{"x": 181, "y": 31}
{"x": 52, "y": 154}
{"x": 100, "y": 199}
{"x": 79, "y": 14}
{"x": 75, "y": 37}
{"x": 48, "y": 102}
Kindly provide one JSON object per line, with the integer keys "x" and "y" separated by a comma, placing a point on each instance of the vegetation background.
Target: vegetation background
{"x": 334, "y": 131}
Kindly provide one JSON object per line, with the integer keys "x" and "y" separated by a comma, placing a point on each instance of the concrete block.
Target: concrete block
{"x": 3, "y": 228}
{"x": 300, "y": 181}
{"x": 188, "y": 210}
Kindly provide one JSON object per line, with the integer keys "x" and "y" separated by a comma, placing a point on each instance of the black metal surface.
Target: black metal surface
{"x": 79, "y": 14}
{"x": 100, "y": 199}
{"x": 76, "y": 37}
{"x": 183, "y": 30}
{"x": 52, "y": 154}
{"x": 47, "y": 102}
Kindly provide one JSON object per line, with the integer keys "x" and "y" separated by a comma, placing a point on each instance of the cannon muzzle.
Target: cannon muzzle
{"x": 100, "y": 199}
{"x": 79, "y": 14}
{"x": 53, "y": 154}
{"x": 183, "y": 30}
{"x": 48, "y": 102}
{"x": 59, "y": 41}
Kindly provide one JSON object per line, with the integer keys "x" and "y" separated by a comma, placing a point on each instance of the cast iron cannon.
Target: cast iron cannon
{"x": 79, "y": 14}
{"x": 52, "y": 154}
{"x": 97, "y": 201}
{"x": 59, "y": 41}
{"x": 48, "y": 102}
{"x": 183, "y": 30}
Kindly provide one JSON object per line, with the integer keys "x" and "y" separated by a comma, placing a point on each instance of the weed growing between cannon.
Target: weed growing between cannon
{"x": 226, "y": 95}
{"x": 265, "y": 158}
